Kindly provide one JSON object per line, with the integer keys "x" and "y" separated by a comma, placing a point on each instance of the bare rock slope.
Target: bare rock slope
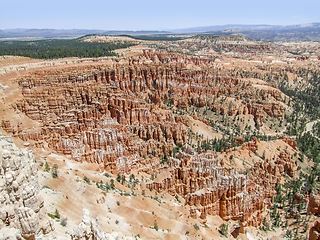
{"x": 21, "y": 209}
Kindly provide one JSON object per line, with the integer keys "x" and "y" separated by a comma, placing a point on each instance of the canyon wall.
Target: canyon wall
{"x": 117, "y": 112}
{"x": 212, "y": 188}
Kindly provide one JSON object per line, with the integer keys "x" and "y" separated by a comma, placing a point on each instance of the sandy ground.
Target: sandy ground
{"x": 135, "y": 215}
{"x": 202, "y": 129}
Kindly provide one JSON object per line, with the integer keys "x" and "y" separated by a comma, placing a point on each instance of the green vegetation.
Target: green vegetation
{"x": 165, "y": 158}
{"x": 123, "y": 179}
{"x": 156, "y": 225}
{"x": 54, "y": 48}
{"x": 107, "y": 175}
{"x": 46, "y": 167}
{"x": 104, "y": 187}
{"x": 54, "y": 171}
{"x": 290, "y": 203}
{"x": 307, "y": 96}
{"x": 196, "y": 227}
{"x": 131, "y": 178}
{"x": 223, "y": 229}
{"x": 87, "y": 180}
{"x": 118, "y": 177}
{"x": 56, "y": 215}
{"x": 310, "y": 146}
{"x": 112, "y": 184}
{"x": 316, "y": 129}
{"x": 228, "y": 142}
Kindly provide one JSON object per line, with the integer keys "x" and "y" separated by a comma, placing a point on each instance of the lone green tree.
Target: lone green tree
{"x": 112, "y": 184}
{"x": 224, "y": 229}
{"x": 46, "y": 167}
{"x": 118, "y": 177}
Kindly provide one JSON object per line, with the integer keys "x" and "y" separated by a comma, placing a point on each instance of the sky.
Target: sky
{"x": 153, "y": 15}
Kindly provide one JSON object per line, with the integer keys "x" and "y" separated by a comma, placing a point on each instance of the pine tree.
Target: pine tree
{"x": 118, "y": 177}
{"x": 112, "y": 184}
{"x": 46, "y": 167}
{"x": 57, "y": 214}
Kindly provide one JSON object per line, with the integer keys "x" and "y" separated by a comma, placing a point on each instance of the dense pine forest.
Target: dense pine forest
{"x": 55, "y": 48}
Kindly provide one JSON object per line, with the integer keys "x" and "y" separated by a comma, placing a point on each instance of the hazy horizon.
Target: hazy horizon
{"x": 144, "y": 15}
{"x": 160, "y": 30}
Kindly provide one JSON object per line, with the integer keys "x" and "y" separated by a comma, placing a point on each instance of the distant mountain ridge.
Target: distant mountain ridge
{"x": 302, "y": 32}
{"x": 263, "y": 32}
{"x": 216, "y": 28}
{"x": 66, "y": 33}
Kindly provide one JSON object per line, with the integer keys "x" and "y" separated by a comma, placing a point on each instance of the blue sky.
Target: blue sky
{"x": 152, "y": 15}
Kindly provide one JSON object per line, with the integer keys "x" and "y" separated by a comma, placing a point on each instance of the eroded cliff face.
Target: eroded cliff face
{"x": 119, "y": 114}
{"x": 213, "y": 188}
{"x": 120, "y": 111}
{"x": 314, "y": 233}
{"x": 21, "y": 209}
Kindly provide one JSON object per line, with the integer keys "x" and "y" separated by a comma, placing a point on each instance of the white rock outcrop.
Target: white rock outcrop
{"x": 22, "y": 215}
{"x": 90, "y": 229}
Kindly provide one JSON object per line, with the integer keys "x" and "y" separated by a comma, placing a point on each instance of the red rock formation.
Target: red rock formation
{"x": 259, "y": 109}
{"x": 287, "y": 163}
{"x": 314, "y": 204}
{"x": 290, "y": 142}
{"x": 216, "y": 190}
{"x": 6, "y": 126}
{"x": 251, "y": 146}
{"x": 314, "y": 233}
{"x": 212, "y": 188}
{"x": 239, "y": 140}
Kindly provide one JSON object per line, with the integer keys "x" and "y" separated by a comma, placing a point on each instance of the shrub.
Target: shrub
{"x": 54, "y": 171}
{"x": 265, "y": 225}
{"x": 118, "y": 178}
{"x": 196, "y": 227}
{"x": 112, "y": 184}
{"x": 224, "y": 229}
{"x": 156, "y": 225}
{"x": 46, "y": 167}
{"x": 87, "y": 180}
{"x": 123, "y": 179}
{"x": 57, "y": 214}
{"x": 51, "y": 215}
{"x": 63, "y": 222}
{"x": 132, "y": 177}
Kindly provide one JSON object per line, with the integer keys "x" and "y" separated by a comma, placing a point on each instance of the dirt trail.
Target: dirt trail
{"x": 309, "y": 125}
{"x": 309, "y": 128}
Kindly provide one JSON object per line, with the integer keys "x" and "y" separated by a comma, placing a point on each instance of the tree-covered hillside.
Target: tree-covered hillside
{"x": 50, "y": 49}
